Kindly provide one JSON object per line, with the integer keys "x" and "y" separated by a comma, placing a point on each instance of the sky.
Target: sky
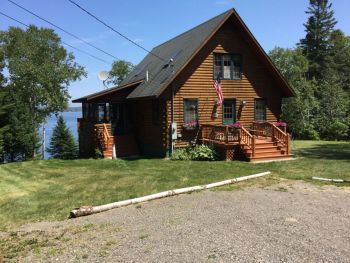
{"x": 149, "y": 23}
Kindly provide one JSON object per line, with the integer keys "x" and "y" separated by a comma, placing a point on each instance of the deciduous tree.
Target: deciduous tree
{"x": 39, "y": 73}
{"x": 120, "y": 69}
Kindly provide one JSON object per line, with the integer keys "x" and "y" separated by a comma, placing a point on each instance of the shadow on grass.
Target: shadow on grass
{"x": 339, "y": 151}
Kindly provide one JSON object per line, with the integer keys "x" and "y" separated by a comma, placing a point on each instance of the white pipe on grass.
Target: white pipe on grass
{"x": 330, "y": 180}
{"x": 88, "y": 210}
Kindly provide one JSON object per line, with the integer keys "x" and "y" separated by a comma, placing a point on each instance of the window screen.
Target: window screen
{"x": 190, "y": 110}
{"x": 260, "y": 110}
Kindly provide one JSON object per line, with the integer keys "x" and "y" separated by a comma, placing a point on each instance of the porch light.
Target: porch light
{"x": 243, "y": 103}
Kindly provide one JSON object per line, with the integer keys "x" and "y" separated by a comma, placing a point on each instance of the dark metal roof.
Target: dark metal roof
{"x": 182, "y": 49}
{"x": 106, "y": 91}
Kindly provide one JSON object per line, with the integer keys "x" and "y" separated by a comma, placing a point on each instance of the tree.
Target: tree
{"x": 120, "y": 69}
{"x": 316, "y": 44}
{"x": 40, "y": 71}
{"x": 3, "y": 107}
{"x": 21, "y": 138}
{"x": 333, "y": 117}
{"x": 3, "y": 121}
{"x": 340, "y": 53}
{"x": 62, "y": 145}
{"x": 298, "y": 111}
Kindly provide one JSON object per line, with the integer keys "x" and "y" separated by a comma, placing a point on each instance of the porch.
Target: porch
{"x": 102, "y": 136}
{"x": 263, "y": 141}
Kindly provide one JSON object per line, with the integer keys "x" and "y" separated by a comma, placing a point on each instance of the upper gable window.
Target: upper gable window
{"x": 227, "y": 66}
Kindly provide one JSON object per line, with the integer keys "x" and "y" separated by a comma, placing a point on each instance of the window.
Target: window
{"x": 155, "y": 112}
{"x": 227, "y": 66}
{"x": 228, "y": 111}
{"x": 260, "y": 110}
{"x": 190, "y": 110}
{"x": 101, "y": 112}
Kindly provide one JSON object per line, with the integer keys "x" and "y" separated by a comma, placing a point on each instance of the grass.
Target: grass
{"x": 48, "y": 190}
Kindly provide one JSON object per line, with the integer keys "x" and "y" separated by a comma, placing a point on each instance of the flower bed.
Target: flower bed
{"x": 189, "y": 126}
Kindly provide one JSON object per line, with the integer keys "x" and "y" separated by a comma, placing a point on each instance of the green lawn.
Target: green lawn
{"x": 48, "y": 190}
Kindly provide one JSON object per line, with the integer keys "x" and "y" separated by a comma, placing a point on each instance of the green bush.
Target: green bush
{"x": 197, "y": 153}
{"x": 98, "y": 154}
{"x": 308, "y": 132}
{"x": 335, "y": 131}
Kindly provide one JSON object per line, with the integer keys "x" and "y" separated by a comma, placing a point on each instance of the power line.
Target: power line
{"x": 114, "y": 30}
{"x": 78, "y": 49}
{"x": 62, "y": 29}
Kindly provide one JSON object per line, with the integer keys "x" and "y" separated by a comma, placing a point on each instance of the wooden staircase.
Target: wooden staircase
{"x": 266, "y": 149}
{"x": 125, "y": 145}
{"x": 265, "y": 142}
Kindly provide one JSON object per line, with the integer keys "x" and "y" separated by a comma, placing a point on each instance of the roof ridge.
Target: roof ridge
{"x": 207, "y": 21}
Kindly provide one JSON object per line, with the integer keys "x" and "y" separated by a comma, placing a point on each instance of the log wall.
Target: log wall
{"x": 196, "y": 81}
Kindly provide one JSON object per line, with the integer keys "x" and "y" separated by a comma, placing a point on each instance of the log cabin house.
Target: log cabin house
{"x": 169, "y": 101}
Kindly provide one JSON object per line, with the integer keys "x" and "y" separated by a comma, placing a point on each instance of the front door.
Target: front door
{"x": 229, "y": 111}
{"x": 118, "y": 118}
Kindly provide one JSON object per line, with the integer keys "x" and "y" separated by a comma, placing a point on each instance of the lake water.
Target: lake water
{"x": 71, "y": 120}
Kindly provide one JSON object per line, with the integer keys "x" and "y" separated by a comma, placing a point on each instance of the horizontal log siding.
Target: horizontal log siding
{"x": 196, "y": 81}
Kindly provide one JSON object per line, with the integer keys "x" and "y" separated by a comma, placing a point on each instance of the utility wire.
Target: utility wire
{"x": 114, "y": 30}
{"x": 78, "y": 49}
{"x": 62, "y": 29}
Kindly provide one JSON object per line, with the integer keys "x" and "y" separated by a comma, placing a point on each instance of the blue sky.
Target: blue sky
{"x": 149, "y": 23}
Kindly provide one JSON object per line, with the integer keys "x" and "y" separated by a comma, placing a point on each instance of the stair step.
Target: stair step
{"x": 272, "y": 158}
{"x": 259, "y": 146}
{"x": 267, "y": 154}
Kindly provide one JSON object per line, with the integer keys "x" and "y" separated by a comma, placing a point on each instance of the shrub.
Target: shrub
{"x": 308, "y": 132}
{"x": 197, "y": 153}
{"x": 181, "y": 154}
{"x": 335, "y": 131}
{"x": 98, "y": 154}
{"x": 203, "y": 153}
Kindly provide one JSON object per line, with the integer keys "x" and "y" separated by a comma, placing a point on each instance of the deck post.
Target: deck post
{"x": 239, "y": 136}
{"x": 253, "y": 146}
{"x": 226, "y": 135}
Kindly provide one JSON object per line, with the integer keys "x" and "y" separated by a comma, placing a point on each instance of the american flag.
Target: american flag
{"x": 218, "y": 90}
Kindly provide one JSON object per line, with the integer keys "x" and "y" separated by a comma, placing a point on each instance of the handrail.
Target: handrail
{"x": 248, "y": 139}
{"x": 103, "y": 134}
{"x": 269, "y": 129}
{"x": 106, "y": 136}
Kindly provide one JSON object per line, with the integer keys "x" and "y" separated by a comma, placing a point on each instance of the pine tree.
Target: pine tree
{"x": 316, "y": 44}
{"x": 62, "y": 145}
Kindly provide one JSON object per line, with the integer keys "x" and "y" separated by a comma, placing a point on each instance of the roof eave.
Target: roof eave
{"x": 106, "y": 92}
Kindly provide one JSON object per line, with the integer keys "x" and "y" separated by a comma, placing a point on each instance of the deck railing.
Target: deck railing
{"x": 247, "y": 139}
{"x": 219, "y": 134}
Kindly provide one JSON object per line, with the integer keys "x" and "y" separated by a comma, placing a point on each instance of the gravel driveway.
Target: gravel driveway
{"x": 291, "y": 221}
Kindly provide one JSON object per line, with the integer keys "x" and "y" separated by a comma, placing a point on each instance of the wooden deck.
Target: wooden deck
{"x": 263, "y": 142}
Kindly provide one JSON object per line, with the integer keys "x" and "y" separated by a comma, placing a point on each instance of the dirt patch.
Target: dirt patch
{"x": 290, "y": 221}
